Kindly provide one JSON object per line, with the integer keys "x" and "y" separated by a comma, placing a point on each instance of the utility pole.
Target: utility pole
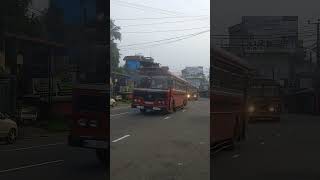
{"x": 317, "y": 71}
{"x": 318, "y": 40}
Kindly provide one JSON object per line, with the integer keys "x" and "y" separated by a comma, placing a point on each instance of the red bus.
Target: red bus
{"x": 193, "y": 93}
{"x": 159, "y": 90}
{"x": 90, "y": 119}
{"x": 264, "y": 102}
{"x": 229, "y": 76}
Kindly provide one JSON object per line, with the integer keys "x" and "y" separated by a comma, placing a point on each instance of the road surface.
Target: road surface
{"x": 48, "y": 158}
{"x": 286, "y": 150}
{"x": 161, "y": 147}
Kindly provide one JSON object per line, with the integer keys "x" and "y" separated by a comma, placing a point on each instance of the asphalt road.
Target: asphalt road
{"x": 286, "y": 150}
{"x": 160, "y": 147}
{"x": 48, "y": 158}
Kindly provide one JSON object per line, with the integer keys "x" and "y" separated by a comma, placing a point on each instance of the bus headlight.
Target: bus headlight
{"x": 251, "y": 109}
{"x": 82, "y": 122}
{"x": 188, "y": 95}
{"x": 161, "y": 102}
{"x": 93, "y": 123}
{"x": 271, "y": 109}
{"x": 194, "y": 96}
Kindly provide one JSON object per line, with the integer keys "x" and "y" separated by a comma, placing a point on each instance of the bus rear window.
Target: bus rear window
{"x": 90, "y": 103}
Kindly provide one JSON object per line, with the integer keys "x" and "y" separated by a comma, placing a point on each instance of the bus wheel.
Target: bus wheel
{"x": 102, "y": 156}
{"x": 171, "y": 107}
{"x": 235, "y": 137}
{"x": 185, "y": 103}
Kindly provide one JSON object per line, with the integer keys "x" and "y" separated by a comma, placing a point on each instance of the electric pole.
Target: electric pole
{"x": 318, "y": 40}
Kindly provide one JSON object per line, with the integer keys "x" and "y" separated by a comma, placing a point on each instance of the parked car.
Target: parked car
{"x": 112, "y": 102}
{"x": 28, "y": 114}
{"x": 8, "y": 129}
{"x": 119, "y": 98}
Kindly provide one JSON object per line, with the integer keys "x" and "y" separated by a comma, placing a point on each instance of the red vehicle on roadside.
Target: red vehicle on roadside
{"x": 90, "y": 119}
{"x": 193, "y": 93}
{"x": 264, "y": 102}
{"x": 228, "y": 99}
{"x": 159, "y": 90}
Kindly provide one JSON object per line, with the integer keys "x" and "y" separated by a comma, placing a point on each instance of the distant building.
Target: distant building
{"x": 76, "y": 12}
{"x": 269, "y": 43}
{"x": 194, "y": 75}
{"x": 133, "y": 63}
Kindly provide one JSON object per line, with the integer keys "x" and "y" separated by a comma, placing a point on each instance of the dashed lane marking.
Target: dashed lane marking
{"x": 126, "y": 107}
{"x": 111, "y": 115}
{"x": 119, "y": 139}
{"x": 31, "y": 166}
{"x": 32, "y": 147}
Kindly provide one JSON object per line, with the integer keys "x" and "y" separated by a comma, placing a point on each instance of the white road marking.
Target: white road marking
{"x": 167, "y": 117}
{"x": 31, "y": 147}
{"x": 119, "y": 114}
{"x": 184, "y": 110}
{"x": 119, "y": 139}
{"x": 236, "y": 156}
{"x": 30, "y": 166}
{"x": 120, "y": 108}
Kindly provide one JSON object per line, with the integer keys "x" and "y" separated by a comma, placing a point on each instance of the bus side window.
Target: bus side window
{"x": 170, "y": 83}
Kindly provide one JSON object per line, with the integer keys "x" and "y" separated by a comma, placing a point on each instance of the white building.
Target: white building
{"x": 194, "y": 75}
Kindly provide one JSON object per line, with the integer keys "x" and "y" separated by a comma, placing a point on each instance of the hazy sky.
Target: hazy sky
{"x": 193, "y": 51}
{"x": 229, "y": 12}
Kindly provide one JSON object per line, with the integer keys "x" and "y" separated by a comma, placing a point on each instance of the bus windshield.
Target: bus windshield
{"x": 266, "y": 91}
{"x": 153, "y": 83}
{"x": 90, "y": 103}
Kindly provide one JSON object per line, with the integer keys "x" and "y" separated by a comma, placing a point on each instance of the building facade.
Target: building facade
{"x": 134, "y": 63}
{"x": 269, "y": 43}
{"x": 194, "y": 75}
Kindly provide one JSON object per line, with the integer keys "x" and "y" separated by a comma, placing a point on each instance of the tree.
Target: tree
{"x": 13, "y": 15}
{"x": 114, "y": 50}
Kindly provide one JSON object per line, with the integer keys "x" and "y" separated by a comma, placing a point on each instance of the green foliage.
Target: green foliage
{"x": 114, "y": 50}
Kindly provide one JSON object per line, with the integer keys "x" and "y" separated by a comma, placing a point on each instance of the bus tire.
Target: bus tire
{"x": 235, "y": 137}
{"x": 171, "y": 107}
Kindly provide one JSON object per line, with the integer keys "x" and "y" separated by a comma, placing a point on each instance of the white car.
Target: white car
{"x": 112, "y": 102}
{"x": 8, "y": 129}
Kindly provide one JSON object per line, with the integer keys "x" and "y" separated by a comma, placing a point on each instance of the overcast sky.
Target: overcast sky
{"x": 192, "y": 51}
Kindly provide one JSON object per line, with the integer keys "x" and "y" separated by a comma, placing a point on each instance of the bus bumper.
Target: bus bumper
{"x": 86, "y": 142}
{"x": 264, "y": 117}
{"x": 157, "y": 108}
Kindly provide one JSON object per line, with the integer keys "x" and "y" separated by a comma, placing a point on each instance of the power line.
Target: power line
{"x": 142, "y": 9}
{"x": 172, "y": 17}
{"x": 163, "y": 11}
{"x": 164, "y": 22}
{"x": 168, "y": 42}
{"x": 165, "y": 39}
{"x": 172, "y": 30}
